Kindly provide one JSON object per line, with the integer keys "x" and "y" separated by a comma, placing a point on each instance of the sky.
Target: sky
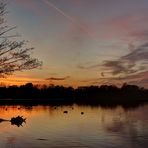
{"x": 83, "y": 42}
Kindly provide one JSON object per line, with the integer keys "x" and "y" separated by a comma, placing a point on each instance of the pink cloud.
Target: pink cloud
{"x": 132, "y": 26}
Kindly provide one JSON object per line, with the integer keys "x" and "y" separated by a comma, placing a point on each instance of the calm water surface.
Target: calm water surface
{"x": 98, "y": 127}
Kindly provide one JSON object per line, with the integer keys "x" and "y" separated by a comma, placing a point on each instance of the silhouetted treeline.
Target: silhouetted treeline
{"x": 82, "y": 95}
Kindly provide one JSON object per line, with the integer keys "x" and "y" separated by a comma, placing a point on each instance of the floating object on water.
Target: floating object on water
{"x": 82, "y": 113}
{"x": 65, "y": 112}
{"x": 17, "y": 120}
{"x": 42, "y": 139}
{"x": 1, "y": 120}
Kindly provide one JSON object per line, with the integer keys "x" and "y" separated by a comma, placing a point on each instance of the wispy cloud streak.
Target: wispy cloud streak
{"x": 79, "y": 25}
{"x": 135, "y": 61}
{"x": 58, "y": 79}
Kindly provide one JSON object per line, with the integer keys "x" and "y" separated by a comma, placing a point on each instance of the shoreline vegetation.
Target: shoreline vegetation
{"x": 108, "y": 95}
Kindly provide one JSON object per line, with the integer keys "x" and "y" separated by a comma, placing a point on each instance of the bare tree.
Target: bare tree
{"x": 14, "y": 55}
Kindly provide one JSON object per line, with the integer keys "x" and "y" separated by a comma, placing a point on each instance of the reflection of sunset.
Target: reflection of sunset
{"x": 51, "y": 124}
{"x": 6, "y": 112}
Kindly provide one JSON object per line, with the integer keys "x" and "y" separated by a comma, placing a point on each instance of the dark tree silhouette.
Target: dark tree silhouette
{"x": 14, "y": 55}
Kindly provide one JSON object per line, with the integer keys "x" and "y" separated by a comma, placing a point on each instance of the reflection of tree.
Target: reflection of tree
{"x": 126, "y": 129}
{"x": 116, "y": 126}
{"x": 28, "y": 109}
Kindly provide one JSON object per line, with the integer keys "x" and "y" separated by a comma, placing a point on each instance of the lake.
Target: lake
{"x": 96, "y": 127}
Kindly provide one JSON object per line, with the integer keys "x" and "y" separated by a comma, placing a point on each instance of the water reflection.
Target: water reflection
{"x": 10, "y": 142}
{"x": 81, "y": 126}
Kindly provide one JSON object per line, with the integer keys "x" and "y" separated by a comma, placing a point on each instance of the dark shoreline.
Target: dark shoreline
{"x": 106, "y": 95}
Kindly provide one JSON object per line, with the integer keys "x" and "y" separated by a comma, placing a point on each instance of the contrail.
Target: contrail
{"x": 68, "y": 17}
{"x": 59, "y": 10}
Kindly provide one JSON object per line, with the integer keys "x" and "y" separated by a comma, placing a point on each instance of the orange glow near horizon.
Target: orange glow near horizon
{"x": 13, "y": 80}
{"x": 20, "y": 81}
{"x": 23, "y": 80}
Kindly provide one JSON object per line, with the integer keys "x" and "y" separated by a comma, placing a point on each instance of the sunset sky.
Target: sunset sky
{"x": 83, "y": 42}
